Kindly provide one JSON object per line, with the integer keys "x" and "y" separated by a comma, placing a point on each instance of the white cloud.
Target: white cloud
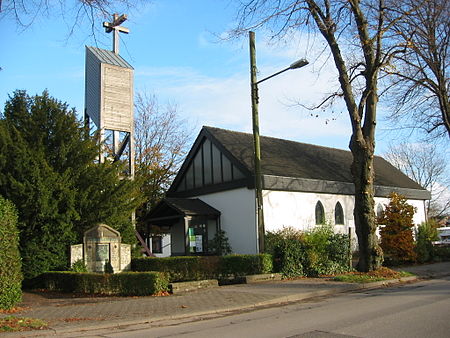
{"x": 226, "y": 103}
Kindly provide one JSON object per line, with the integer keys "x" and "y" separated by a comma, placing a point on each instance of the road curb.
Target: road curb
{"x": 217, "y": 312}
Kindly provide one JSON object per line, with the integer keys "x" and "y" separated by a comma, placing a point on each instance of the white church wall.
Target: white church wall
{"x": 297, "y": 210}
{"x": 166, "y": 245}
{"x": 238, "y": 217}
{"x": 419, "y": 205}
{"x": 283, "y": 209}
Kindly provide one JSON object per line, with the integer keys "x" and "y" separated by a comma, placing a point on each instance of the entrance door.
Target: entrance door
{"x": 198, "y": 239}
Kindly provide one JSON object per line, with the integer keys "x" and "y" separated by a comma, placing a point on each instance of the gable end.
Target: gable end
{"x": 209, "y": 167}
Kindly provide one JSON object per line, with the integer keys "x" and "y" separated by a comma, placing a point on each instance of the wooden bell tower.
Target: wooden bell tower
{"x": 109, "y": 98}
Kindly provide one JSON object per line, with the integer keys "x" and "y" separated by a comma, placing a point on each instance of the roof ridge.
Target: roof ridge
{"x": 280, "y": 139}
{"x": 314, "y": 161}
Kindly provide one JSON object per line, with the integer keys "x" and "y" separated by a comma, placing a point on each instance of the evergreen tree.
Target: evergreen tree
{"x": 397, "y": 239}
{"x": 48, "y": 170}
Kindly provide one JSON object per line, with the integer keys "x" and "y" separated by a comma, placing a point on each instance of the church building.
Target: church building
{"x": 303, "y": 185}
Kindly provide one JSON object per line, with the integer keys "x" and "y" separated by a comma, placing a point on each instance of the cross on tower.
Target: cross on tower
{"x": 115, "y": 26}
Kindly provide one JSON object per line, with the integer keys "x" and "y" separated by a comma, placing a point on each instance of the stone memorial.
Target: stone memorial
{"x": 102, "y": 250}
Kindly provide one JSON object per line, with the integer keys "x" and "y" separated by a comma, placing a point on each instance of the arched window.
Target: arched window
{"x": 380, "y": 210}
{"x": 320, "y": 213}
{"x": 338, "y": 214}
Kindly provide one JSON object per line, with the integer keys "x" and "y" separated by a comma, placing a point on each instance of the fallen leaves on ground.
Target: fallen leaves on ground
{"x": 76, "y": 319}
{"x": 380, "y": 274}
{"x": 13, "y": 324}
{"x": 161, "y": 294}
{"x": 14, "y": 309}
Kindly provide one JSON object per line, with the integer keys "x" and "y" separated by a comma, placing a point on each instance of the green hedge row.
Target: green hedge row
{"x": 10, "y": 261}
{"x": 124, "y": 283}
{"x": 188, "y": 268}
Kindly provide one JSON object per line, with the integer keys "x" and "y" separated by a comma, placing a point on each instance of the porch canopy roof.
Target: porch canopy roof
{"x": 172, "y": 209}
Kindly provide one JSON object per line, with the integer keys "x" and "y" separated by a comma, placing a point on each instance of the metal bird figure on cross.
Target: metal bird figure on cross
{"x": 115, "y": 26}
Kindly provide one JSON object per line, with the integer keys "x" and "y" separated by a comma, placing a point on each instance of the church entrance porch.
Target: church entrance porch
{"x": 190, "y": 223}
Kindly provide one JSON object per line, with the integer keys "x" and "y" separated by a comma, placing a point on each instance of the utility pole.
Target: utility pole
{"x": 256, "y": 144}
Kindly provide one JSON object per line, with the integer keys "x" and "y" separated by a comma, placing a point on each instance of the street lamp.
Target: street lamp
{"x": 256, "y": 139}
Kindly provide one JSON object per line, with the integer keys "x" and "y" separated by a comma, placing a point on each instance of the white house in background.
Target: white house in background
{"x": 303, "y": 185}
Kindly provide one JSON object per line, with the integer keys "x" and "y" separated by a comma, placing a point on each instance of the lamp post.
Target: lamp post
{"x": 256, "y": 139}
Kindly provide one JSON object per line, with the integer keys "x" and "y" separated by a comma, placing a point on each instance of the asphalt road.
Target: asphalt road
{"x": 413, "y": 310}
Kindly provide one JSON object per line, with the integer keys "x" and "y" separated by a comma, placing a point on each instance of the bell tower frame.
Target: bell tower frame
{"x": 109, "y": 100}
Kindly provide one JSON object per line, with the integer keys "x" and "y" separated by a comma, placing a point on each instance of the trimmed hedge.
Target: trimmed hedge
{"x": 242, "y": 265}
{"x": 179, "y": 269}
{"x": 10, "y": 261}
{"x": 190, "y": 268}
{"x": 124, "y": 283}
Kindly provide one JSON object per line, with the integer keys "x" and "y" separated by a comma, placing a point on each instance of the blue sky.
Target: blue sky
{"x": 177, "y": 56}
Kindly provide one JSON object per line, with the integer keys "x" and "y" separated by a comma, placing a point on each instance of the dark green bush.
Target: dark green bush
{"x": 189, "y": 268}
{"x": 311, "y": 253}
{"x": 288, "y": 251}
{"x": 48, "y": 170}
{"x": 124, "y": 283}
{"x": 441, "y": 253}
{"x": 10, "y": 262}
{"x": 327, "y": 252}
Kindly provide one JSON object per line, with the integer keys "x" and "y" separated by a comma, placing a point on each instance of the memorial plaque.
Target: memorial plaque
{"x": 102, "y": 252}
{"x": 103, "y": 244}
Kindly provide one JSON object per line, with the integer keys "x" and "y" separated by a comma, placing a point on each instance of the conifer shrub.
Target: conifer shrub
{"x": 426, "y": 233}
{"x": 10, "y": 262}
{"x": 396, "y": 231}
{"x": 48, "y": 170}
{"x": 220, "y": 245}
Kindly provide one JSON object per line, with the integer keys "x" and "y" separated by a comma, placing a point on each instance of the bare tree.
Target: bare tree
{"x": 26, "y": 12}
{"x": 427, "y": 166}
{"x": 161, "y": 141}
{"x": 420, "y": 82}
{"x": 356, "y": 34}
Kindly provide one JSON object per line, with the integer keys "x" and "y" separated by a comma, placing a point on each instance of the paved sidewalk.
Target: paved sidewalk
{"x": 69, "y": 317}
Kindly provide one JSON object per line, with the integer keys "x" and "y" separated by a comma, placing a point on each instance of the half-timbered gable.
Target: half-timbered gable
{"x": 303, "y": 185}
{"x": 209, "y": 167}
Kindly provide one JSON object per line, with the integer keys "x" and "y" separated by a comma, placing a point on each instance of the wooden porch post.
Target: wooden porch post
{"x": 186, "y": 235}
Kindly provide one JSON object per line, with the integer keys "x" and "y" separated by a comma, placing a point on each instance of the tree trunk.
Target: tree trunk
{"x": 370, "y": 253}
